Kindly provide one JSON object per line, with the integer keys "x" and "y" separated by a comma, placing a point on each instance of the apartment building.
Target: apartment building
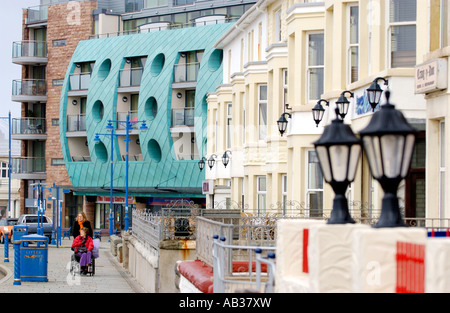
{"x": 298, "y": 54}
{"x": 55, "y": 136}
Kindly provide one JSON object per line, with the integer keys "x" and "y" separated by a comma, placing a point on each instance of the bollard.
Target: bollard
{"x": 6, "y": 248}
{"x": 17, "y": 263}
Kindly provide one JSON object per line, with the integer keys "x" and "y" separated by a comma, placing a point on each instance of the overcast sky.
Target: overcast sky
{"x": 10, "y": 31}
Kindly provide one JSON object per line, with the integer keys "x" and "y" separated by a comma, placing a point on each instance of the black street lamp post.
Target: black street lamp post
{"x": 389, "y": 141}
{"x": 282, "y": 123}
{"x": 338, "y": 150}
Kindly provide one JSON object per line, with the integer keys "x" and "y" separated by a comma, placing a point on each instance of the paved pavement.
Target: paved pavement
{"x": 110, "y": 276}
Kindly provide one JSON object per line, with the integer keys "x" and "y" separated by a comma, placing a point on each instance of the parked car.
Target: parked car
{"x": 31, "y": 220}
{"x": 6, "y": 226}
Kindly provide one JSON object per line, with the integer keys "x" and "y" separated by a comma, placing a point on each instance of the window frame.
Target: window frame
{"x": 309, "y": 190}
{"x": 309, "y": 67}
{"x": 351, "y": 45}
{"x": 390, "y": 26}
{"x": 262, "y": 193}
{"x": 262, "y": 136}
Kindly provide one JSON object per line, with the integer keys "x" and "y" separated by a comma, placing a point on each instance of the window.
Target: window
{"x": 229, "y": 120}
{"x": 441, "y": 169}
{"x": 444, "y": 25}
{"x": 402, "y": 33}
{"x": 261, "y": 194}
{"x": 315, "y": 66}
{"x": 353, "y": 43}
{"x": 262, "y": 108}
{"x": 59, "y": 42}
{"x": 314, "y": 192}
{"x": 57, "y": 162}
{"x": 155, "y": 3}
{"x": 4, "y": 169}
{"x": 183, "y": 2}
{"x": 284, "y": 193}
{"x": 278, "y": 26}
{"x": 243, "y": 117}
{"x": 285, "y": 87}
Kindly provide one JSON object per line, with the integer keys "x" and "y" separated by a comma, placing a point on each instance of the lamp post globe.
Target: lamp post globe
{"x": 211, "y": 161}
{"x": 226, "y": 158}
{"x": 388, "y": 141}
{"x": 338, "y": 151}
{"x": 282, "y": 123}
{"x": 374, "y": 92}
{"x": 343, "y": 104}
{"x": 318, "y": 111}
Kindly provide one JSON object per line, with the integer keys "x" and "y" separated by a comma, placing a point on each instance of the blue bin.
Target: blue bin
{"x": 19, "y": 231}
{"x": 34, "y": 258}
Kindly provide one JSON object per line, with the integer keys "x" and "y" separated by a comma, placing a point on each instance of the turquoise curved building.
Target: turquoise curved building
{"x": 160, "y": 77}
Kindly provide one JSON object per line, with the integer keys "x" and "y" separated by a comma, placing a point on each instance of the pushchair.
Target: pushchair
{"x": 75, "y": 268}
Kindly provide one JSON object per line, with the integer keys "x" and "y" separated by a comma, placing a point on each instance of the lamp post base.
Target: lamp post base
{"x": 339, "y": 213}
{"x": 390, "y": 213}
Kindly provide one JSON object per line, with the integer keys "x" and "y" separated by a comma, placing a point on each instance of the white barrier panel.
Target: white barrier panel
{"x": 379, "y": 262}
{"x": 330, "y": 257}
{"x": 437, "y": 269}
{"x": 292, "y": 242}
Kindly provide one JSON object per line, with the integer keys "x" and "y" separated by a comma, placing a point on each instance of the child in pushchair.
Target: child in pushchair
{"x": 83, "y": 247}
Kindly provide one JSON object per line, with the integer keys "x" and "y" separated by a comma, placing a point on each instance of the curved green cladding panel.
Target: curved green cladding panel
{"x": 159, "y": 167}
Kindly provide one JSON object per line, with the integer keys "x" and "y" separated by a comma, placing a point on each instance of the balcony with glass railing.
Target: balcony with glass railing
{"x": 76, "y": 123}
{"x": 29, "y": 90}
{"x": 130, "y": 79}
{"x": 79, "y": 83}
{"x": 37, "y": 14}
{"x": 28, "y": 168}
{"x": 29, "y": 52}
{"x": 183, "y": 117}
{"x": 186, "y": 72}
{"x": 28, "y": 128}
{"x": 133, "y": 118}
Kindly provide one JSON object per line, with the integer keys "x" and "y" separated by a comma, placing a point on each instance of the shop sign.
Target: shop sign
{"x": 431, "y": 76}
{"x": 107, "y": 199}
{"x": 207, "y": 187}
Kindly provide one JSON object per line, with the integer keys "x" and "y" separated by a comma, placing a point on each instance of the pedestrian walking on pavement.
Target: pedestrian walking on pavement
{"x": 81, "y": 222}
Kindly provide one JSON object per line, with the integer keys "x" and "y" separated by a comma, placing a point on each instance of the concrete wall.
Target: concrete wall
{"x": 154, "y": 270}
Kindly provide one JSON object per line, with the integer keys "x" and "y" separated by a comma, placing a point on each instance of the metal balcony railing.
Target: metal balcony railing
{"x": 130, "y": 77}
{"x": 183, "y": 117}
{"x": 29, "y": 87}
{"x": 79, "y": 81}
{"x": 24, "y": 165}
{"x": 28, "y": 125}
{"x": 37, "y": 14}
{"x": 133, "y": 118}
{"x": 76, "y": 122}
{"x": 29, "y": 48}
{"x": 186, "y": 72}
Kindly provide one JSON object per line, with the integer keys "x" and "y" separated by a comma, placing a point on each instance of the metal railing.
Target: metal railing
{"x": 237, "y": 268}
{"x": 175, "y": 221}
{"x": 37, "y": 14}
{"x": 79, "y": 81}
{"x": 29, "y": 87}
{"x": 183, "y": 117}
{"x": 29, "y": 48}
{"x": 28, "y": 125}
{"x": 130, "y": 77}
{"x": 25, "y": 165}
{"x": 133, "y": 118}
{"x": 76, "y": 122}
{"x": 162, "y": 28}
{"x": 185, "y": 72}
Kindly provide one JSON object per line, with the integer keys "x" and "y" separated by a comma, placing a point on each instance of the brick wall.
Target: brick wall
{"x": 71, "y": 22}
